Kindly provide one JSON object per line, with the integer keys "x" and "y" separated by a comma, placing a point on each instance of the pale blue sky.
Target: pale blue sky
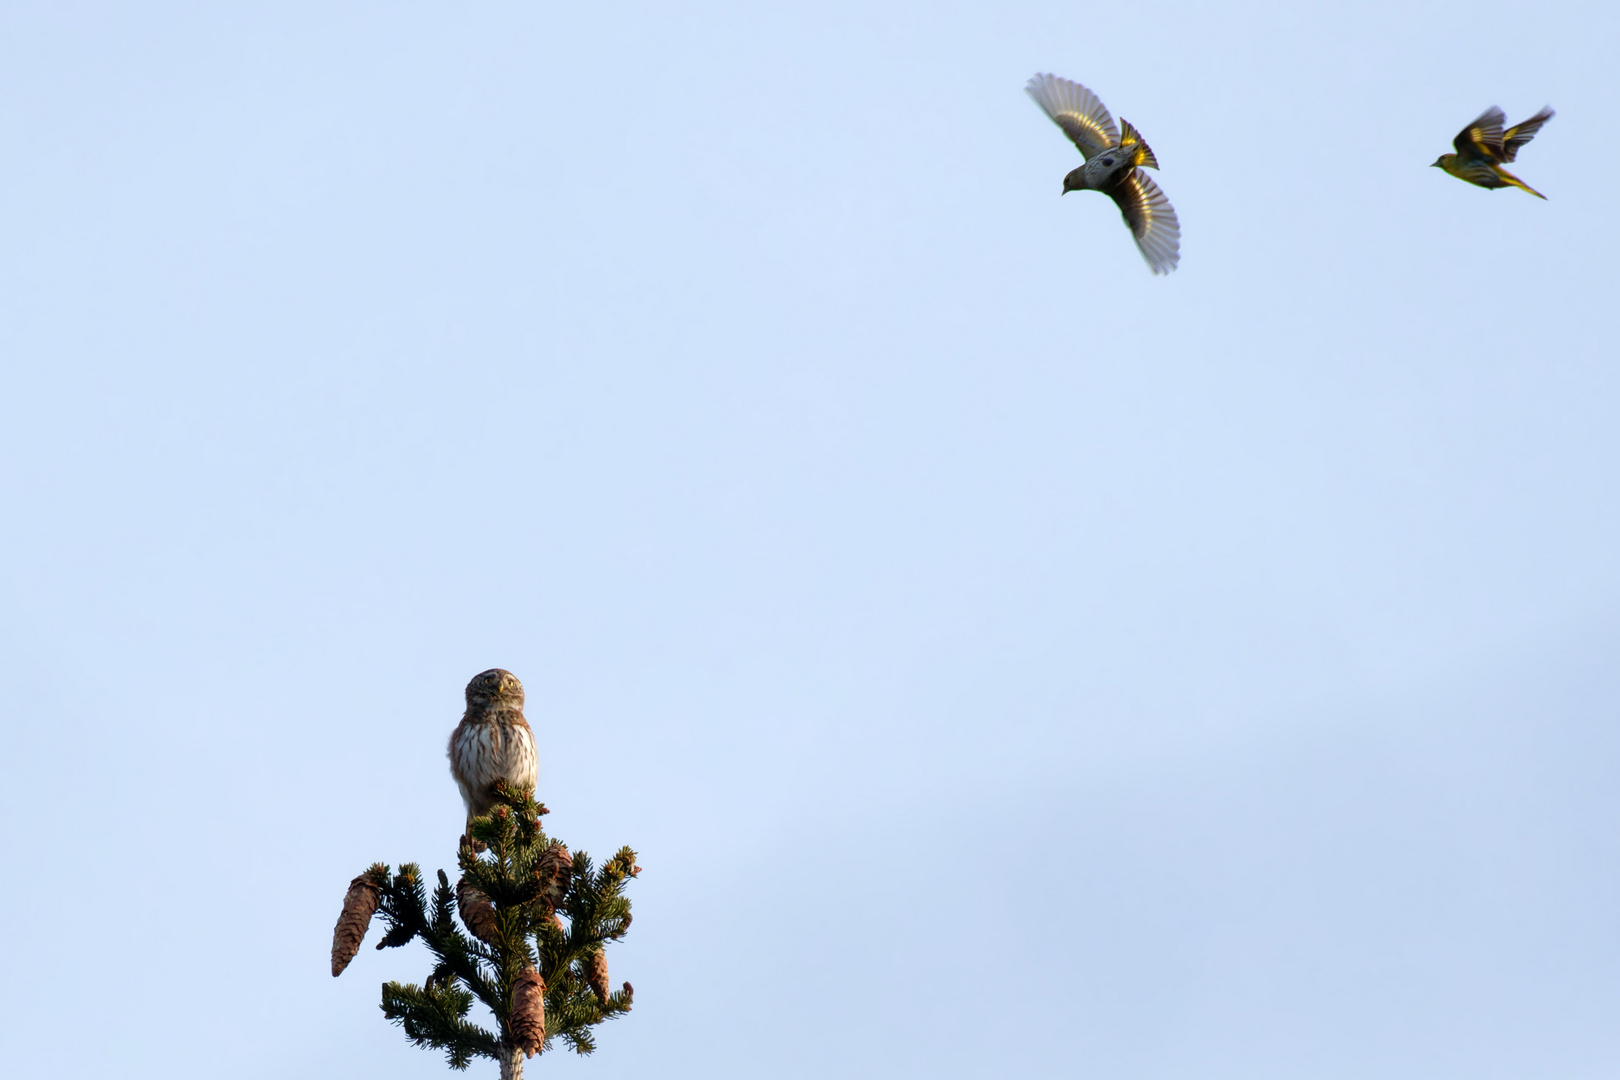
{"x": 1006, "y": 662}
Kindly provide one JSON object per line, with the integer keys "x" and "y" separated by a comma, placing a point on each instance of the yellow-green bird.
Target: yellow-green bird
{"x": 1482, "y": 147}
{"x": 1111, "y": 167}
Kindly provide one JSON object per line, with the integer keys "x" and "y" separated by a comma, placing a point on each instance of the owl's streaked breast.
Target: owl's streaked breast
{"x": 495, "y": 748}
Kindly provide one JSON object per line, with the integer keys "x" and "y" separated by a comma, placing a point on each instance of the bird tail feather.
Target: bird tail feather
{"x": 1143, "y": 155}
{"x": 1516, "y": 182}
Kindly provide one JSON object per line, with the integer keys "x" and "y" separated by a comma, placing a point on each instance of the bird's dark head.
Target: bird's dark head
{"x": 1075, "y": 181}
{"x": 496, "y": 688}
{"x": 1442, "y": 161}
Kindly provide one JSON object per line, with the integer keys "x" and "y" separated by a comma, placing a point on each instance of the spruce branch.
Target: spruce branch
{"x": 437, "y": 1018}
{"x": 540, "y": 978}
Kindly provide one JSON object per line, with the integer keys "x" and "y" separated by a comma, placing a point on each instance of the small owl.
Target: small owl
{"x": 493, "y": 741}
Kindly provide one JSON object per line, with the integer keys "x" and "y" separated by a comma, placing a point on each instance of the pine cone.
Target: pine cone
{"x": 359, "y": 905}
{"x": 528, "y": 1022}
{"x": 596, "y": 973}
{"x": 476, "y": 911}
{"x": 557, "y": 866}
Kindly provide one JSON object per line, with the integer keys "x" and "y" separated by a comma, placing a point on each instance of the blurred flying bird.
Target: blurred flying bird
{"x": 1111, "y": 167}
{"x": 1482, "y": 147}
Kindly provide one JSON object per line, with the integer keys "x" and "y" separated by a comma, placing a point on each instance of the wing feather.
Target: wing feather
{"x": 1480, "y": 174}
{"x": 1482, "y": 138}
{"x": 1516, "y": 136}
{"x": 1076, "y": 110}
{"x": 1152, "y": 220}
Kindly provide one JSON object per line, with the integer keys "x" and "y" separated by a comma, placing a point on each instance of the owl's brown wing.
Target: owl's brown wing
{"x": 1519, "y": 134}
{"x": 1152, "y": 220}
{"x": 1077, "y": 111}
{"x": 1481, "y": 140}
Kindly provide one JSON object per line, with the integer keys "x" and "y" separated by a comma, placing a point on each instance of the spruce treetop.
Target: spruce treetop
{"x": 534, "y": 920}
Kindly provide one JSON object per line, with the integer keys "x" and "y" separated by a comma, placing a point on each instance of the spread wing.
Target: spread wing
{"x": 1076, "y": 110}
{"x": 1519, "y": 134}
{"x": 1152, "y": 220}
{"x": 1482, "y": 138}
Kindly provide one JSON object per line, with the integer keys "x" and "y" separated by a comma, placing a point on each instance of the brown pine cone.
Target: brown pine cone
{"x": 476, "y": 911}
{"x": 557, "y": 867}
{"x": 359, "y": 905}
{"x": 596, "y": 973}
{"x": 528, "y": 1020}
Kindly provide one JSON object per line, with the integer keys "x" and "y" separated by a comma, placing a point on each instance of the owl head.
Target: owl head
{"x": 496, "y": 688}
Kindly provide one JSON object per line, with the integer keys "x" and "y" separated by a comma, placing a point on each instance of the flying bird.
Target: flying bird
{"x": 493, "y": 741}
{"x": 1112, "y": 168}
{"x": 1482, "y": 147}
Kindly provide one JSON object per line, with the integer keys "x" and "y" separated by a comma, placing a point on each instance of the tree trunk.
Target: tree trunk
{"x": 511, "y": 1062}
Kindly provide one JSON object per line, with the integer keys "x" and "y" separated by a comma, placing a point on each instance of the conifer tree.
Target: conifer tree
{"x": 543, "y": 980}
